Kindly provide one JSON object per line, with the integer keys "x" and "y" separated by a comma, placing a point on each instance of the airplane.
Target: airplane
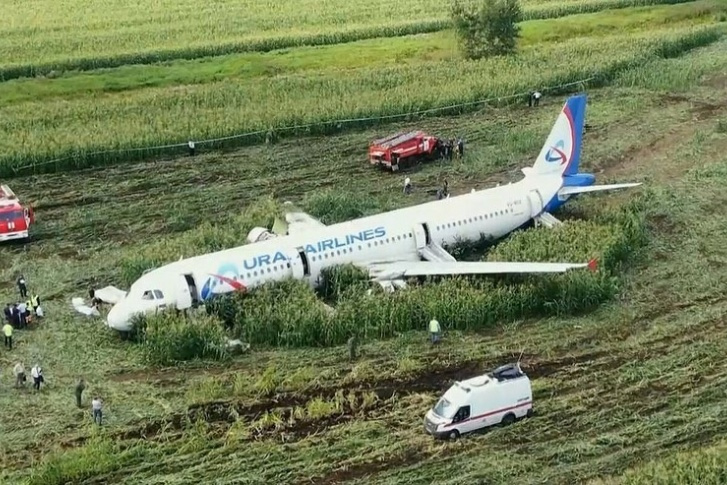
{"x": 390, "y": 246}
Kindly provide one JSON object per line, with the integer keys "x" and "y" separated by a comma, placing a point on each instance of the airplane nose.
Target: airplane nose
{"x": 117, "y": 319}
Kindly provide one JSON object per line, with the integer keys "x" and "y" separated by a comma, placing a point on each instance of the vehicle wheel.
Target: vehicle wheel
{"x": 453, "y": 435}
{"x": 530, "y": 413}
{"x": 508, "y": 419}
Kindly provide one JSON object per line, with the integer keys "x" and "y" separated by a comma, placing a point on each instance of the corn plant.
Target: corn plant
{"x": 264, "y": 106}
{"x": 100, "y": 38}
{"x": 167, "y": 338}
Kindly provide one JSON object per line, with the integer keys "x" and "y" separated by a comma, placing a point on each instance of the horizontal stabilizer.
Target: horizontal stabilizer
{"x": 387, "y": 271}
{"x": 594, "y": 188}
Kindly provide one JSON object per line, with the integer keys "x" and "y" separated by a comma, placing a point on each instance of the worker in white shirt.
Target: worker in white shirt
{"x": 535, "y": 98}
{"x": 434, "y": 330}
{"x": 22, "y": 308}
{"x": 96, "y": 406}
{"x": 37, "y": 374}
{"x": 19, "y": 372}
{"x": 407, "y": 186}
{"x": 39, "y": 311}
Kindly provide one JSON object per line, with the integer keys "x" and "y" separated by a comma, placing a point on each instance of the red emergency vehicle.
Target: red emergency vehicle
{"x": 15, "y": 219}
{"x": 403, "y": 149}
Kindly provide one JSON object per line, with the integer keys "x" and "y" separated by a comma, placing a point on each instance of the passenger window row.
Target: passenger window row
{"x": 276, "y": 268}
{"x": 482, "y": 217}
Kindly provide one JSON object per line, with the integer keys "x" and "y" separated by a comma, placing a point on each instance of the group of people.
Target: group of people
{"x": 451, "y": 148}
{"x": 36, "y": 373}
{"x": 20, "y": 313}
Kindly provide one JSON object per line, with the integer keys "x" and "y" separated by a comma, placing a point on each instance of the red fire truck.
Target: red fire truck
{"x": 15, "y": 219}
{"x": 403, "y": 150}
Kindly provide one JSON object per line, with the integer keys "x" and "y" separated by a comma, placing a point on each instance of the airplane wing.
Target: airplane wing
{"x": 387, "y": 271}
{"x": 594, "y": 188}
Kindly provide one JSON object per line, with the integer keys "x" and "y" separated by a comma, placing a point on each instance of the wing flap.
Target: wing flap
{"x": 594, "y": 188}
{"x": 387, "y": 271}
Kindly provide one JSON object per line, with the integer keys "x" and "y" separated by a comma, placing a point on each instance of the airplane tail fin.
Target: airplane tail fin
{"x": 561, "y": 153}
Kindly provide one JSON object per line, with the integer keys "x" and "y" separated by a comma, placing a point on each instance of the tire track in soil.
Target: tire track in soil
{"x": 225, "y": 413}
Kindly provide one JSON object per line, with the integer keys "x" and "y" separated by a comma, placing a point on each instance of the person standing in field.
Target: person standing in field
{"x": 352, "y": 344}
{"x": 22, "y": 307}
{"x": 535, "y": 98}
{"x": 80, "y": 386}
{"x": 37, "y": 374}
{"x": 8, "y": 313}
{"x": 407, "y": 186}
{"x": 35, "y": 302}
{"x": 22, "y": 287}
{"x": 19, "y": 372}
{"x": 434, "y": 330}
{"x": 96, "y": 407}
{"x": 8, "y": 333}
{"x": 16, "y": 316}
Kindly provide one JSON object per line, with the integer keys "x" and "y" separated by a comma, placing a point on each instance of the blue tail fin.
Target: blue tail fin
{"x": 561, "y": 153}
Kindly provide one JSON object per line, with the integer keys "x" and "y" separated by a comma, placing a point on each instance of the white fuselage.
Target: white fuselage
{"x": 388, "y": 237}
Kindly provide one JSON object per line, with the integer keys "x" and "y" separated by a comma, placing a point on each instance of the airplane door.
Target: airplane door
{"x": 299, "y": 264}
{"x": 535, "y": 201}
{"x": 420, "y": 236}
{"x": 184, "y": 297}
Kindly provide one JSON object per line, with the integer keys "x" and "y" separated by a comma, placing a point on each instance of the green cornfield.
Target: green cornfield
{"x": 69, "y": 35}
{"x": 72, "y": 129}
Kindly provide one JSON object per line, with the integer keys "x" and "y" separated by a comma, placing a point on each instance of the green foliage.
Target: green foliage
{"x": 168, "y": 337}
{"x": 337, "y": 281}
{"x": 209, "y": 237}
{"x": 486, "y": 28}
{"x": 469, "y": 250}
{"x": 100, "y": 455}
{"x": 334, "y": 206}
{"x": 106, "y": 42}
{"x": 224, "y": 109}
{"x": 284, "y": 314}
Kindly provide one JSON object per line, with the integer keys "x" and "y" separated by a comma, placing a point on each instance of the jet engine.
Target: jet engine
{"x": 258, "y": 234}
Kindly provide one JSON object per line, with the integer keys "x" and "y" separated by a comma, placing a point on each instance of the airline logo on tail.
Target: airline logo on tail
{"x": 555, "y": 154}
{"x": 561, "y": 151}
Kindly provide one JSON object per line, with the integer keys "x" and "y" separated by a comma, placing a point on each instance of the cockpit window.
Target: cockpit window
{"x": 158, "y": 294}
{"x": 147, "y": 295}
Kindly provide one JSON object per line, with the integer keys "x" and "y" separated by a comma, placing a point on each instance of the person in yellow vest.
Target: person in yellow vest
{"x": 434, "y": 330}
{"x": 28, "y": 312}
{"x": 34, "y": 302}
{"x": 8, "y": 332}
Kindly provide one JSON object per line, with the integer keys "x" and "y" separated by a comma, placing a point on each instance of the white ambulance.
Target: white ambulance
{"x": 501, "y": 396}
